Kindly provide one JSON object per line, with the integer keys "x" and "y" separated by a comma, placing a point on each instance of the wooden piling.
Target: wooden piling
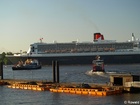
{"x": 53, "y": 67}
{"x": 57, "y": 71}
{"x": 1, "y": 70}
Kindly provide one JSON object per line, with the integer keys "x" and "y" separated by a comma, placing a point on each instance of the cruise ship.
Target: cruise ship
{"x": 111, "y": 51}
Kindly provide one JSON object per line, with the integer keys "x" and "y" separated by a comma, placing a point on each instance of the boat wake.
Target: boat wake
{"x": 103, "y": 74}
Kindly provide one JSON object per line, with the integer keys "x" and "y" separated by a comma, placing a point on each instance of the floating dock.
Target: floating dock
{"x": 55, "y": 87}
{"x": 30, "y": 87}
{"x": 85, "y": 91}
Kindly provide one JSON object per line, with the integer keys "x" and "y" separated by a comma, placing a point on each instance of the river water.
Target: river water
{"x": 73, "y": 73}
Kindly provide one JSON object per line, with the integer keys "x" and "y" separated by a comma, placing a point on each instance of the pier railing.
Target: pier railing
{"x": 133, "y": 84}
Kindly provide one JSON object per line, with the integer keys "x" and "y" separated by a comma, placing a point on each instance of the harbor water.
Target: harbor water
{"x": 71, "y": 73}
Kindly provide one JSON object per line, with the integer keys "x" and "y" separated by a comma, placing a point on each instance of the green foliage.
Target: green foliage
{"x": 3, "y": 58}
{"x": 9, "y": 53}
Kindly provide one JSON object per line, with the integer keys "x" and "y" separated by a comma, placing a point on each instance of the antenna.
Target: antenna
{"x": 133, "y": 37}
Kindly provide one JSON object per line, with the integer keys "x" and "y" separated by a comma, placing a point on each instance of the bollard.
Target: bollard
{"x": 57, "y": 71}
{"x": 53, "y": 66}
{"x": 1, "y": 70}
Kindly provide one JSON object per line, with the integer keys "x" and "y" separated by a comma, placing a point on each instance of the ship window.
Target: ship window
{"x": 136, "y": 78}
{"x": 118, "y": 81}
{"x": 32, "y": 49}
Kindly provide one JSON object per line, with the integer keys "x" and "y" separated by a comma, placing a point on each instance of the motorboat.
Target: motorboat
{"x": 28, "y": 65}
{"x": 98, "y": 65}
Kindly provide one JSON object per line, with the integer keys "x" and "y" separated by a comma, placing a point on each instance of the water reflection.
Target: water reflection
{"x": 76, "y": 73}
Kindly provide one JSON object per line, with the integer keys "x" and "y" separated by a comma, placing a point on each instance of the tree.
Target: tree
{"x": 3, "y": 58}
{"x": 9, "y": 53}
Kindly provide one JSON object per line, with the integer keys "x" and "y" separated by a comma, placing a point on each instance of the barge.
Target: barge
{"x": 95, "y": 92}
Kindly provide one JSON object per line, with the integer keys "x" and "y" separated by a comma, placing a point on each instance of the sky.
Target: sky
{"x": 23, "y": 22}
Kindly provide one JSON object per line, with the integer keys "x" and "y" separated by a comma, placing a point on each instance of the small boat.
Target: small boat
{"x": 28, "y": 65}
{"x": 98, "y": 65}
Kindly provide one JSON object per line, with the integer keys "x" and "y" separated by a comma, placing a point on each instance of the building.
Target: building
{"x": 129, "y": 82}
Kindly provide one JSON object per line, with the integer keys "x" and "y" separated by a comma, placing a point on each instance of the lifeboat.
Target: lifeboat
{"x": 93, "y": 49}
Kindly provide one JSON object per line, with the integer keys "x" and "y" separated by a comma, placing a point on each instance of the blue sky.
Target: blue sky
{"x": 23, "y": 22}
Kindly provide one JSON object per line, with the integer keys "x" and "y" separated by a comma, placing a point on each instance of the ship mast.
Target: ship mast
{"x": 41, "y": 40}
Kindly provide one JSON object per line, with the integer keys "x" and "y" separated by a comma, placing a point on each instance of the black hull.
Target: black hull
{"x": 98, "y": 71}
{"x": 70, "y": 60}
{"x": 27, "y": 68}
{"x": 108, "y": 59}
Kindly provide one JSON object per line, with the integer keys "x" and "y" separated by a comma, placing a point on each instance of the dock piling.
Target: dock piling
{"x": 57, "y": 71}
{"x": 1, "y": 70}
{"x": 53, "y": 67}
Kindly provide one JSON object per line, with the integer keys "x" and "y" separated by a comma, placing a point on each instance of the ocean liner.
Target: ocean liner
{"x": 111, "y": 51}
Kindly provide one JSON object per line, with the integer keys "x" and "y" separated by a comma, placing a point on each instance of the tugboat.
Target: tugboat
{"x": 28, "y": 65}
{"x": 98, "y": 65}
